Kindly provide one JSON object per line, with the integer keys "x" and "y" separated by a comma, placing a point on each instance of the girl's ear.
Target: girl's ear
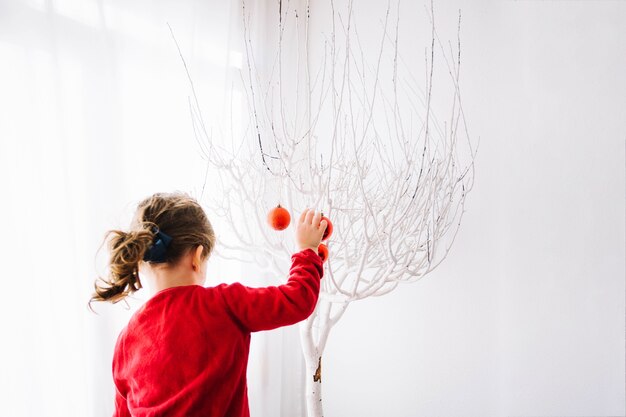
{"x": 197, "y": 258}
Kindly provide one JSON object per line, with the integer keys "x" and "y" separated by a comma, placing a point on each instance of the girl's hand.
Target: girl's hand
{"x": 309, "y": 229}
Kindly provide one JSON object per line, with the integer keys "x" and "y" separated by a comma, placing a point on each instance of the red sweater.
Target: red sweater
{"x": 185, "y": 351}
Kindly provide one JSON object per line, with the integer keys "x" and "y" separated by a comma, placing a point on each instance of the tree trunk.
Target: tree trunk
{"x": 312, "y": 348}
{"x": 314, "y": 385}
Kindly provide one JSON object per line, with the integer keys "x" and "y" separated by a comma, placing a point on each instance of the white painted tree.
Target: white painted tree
{"x": 326, "y": 126}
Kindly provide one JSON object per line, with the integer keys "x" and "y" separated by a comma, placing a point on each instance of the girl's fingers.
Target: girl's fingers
{"x": 309, "y": 216}
{"x": 301, "y": 220}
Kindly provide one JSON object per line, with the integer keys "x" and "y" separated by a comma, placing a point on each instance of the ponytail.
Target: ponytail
{"x": 165, "y": 227}
{"x": 127, "y": 250}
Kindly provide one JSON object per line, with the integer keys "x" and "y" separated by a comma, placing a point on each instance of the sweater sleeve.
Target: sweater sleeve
{"x": 267, "y": 308}
{"x": 121, "y": 407}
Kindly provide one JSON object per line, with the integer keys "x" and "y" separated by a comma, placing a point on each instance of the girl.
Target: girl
{"x": 185, "y": 351}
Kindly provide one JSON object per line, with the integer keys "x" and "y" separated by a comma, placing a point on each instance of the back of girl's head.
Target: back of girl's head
{"x": 177, "y": 215}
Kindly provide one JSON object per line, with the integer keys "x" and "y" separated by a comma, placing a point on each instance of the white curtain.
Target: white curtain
{"x": 93, "y": 117}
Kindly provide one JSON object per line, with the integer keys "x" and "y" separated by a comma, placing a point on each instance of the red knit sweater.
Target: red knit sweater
{"x": 185, "y": 351}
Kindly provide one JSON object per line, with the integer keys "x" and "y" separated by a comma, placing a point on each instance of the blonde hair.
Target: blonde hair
{"x": 175, "y": 214}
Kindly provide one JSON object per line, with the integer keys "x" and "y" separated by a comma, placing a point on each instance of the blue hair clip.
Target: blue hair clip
{"x": 158, "y": 251}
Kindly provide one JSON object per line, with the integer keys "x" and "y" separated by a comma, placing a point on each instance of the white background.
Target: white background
{"x": 525, "y": 317}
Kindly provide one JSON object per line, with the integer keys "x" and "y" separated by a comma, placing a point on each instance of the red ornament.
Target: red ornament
{"x": 322, "y": 251}
{"x": 329, "y": 228}
{"x": 279, "y": 218}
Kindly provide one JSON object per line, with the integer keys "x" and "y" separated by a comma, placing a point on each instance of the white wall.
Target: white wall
{"x": 526, "y": 316}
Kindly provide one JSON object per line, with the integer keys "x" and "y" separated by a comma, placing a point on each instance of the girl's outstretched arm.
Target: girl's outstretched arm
{"x": 267, "y": 308}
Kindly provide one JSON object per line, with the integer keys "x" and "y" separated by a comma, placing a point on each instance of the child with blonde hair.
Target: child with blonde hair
{"x": 184, "y": 352}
